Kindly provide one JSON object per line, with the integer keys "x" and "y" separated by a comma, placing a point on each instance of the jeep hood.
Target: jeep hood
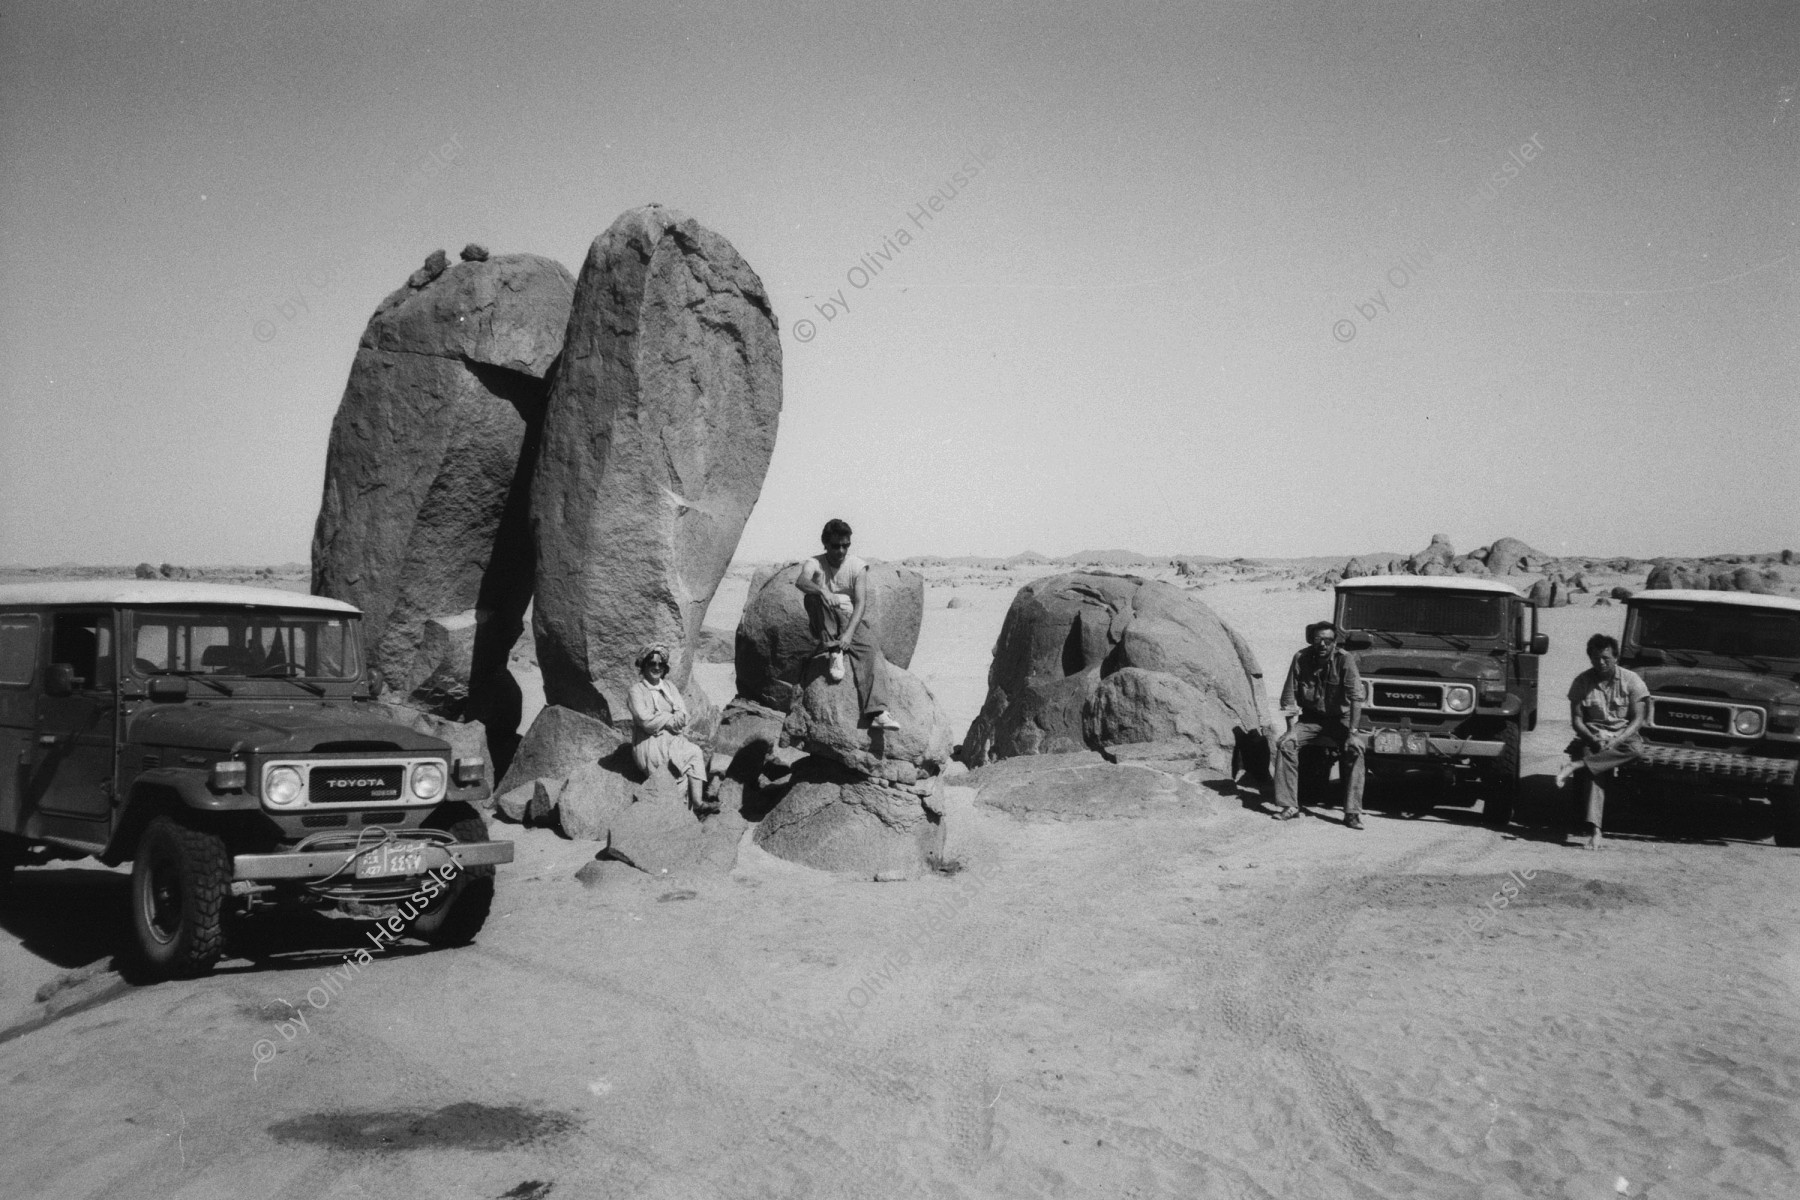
{"x": 1430, "y": 664}
{"x": 274, "y": 728}
{"x": 1702, "y": 682}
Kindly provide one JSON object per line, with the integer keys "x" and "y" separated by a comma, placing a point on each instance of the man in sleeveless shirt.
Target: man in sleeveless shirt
{"x": 835, "y": 585}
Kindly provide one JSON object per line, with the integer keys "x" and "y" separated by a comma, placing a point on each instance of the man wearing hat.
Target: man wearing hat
{"x": 1322, "y": 699}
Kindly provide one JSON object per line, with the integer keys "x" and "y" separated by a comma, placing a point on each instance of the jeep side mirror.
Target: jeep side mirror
{"x": 1357, "y": 641}
{"x": 59, "y": 680}
{"x": 1540, "y": 643}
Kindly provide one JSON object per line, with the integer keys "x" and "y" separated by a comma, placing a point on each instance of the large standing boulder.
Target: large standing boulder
{"x": 1064, "y": 635}
{"x": 659, "y": 429}
{"x": 774, "y": 640}
{"x": 826, "y": 720}
{"x": 830, "y": 817}
{"x": 427, "y": 475}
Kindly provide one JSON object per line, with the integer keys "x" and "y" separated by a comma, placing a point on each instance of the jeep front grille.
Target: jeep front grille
{"x": 355, "y": 785}
{"x": 1407, "y": 694}
{"x": 1690, "y": 716}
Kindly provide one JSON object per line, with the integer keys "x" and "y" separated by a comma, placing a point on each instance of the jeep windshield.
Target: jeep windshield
{"x": 1752, "y": 635}
{"x": 1447, "y": 615}
{"x": 245, "y": 644}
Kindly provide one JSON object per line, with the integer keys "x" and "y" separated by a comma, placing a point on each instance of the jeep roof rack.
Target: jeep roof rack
{"x": 1444, "y": 583}
{"x": 164, "y": 591}
{"x": 1698, "y": 596}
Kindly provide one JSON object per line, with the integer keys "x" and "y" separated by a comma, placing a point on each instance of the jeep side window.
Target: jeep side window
{"x": 18, "y": 649}
{"x": 84, "y": 641}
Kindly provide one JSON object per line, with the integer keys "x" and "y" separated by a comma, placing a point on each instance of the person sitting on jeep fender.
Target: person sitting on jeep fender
{"x": 1607, "y": 705}
{"x": 659, "y": 716}
{"x": 1324, "y": 690}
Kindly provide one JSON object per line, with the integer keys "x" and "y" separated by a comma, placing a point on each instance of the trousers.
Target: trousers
{"x": 867, "y": 667}
{"x": 1315, "y": 730}
{"x": 1596, "y": 767}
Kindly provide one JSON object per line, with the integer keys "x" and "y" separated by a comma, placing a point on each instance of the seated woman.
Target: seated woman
{"x": 659, "y": 716}
{"x": 1607, "y": 705}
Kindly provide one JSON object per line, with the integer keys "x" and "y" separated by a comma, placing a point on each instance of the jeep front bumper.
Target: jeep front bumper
{"x": 1398, "y": 743}
{"x": 320, "y": 863}
{"x": 1712, "y": 766}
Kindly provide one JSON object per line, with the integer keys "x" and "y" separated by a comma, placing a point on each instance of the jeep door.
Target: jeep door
{"x": 1524, "y": 669}
{"x": 19, "y": 634}
{"x": 72, "y": 751}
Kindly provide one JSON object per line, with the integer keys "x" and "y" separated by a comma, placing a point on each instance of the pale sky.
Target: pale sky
{"x": 1227, "y": 284}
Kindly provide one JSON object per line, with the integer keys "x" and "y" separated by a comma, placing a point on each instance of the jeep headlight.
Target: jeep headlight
{"x": 283, "y": 786}
{"x": 1459, "y": 699}
{"x": 1748, "y": 721}
{"x": 428, "y": 780}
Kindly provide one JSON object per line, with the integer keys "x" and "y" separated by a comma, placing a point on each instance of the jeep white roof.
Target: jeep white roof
{"x": 1696, "y": 596}
{"x": 107, "y": 592}
{"x": 1441, "y": 583}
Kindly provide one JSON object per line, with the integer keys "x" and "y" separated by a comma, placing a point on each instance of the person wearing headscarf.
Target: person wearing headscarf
{"x": 659, "y": 718}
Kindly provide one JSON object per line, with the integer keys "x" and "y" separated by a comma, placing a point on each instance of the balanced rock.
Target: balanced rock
{"x": 830, "y": 817}
{"x": 1374, "y": 564}
{"x": 1064, "y": 634}
{"x": 427, "y": 472}
{"x": 659, "y": 430}
{"x": 1438, "y": 554}
{"x": 774, "y": 641}
{"x": 1665, "y": 575}
{"x": 826, "y": 720}
{"x": 1510, "y": 556}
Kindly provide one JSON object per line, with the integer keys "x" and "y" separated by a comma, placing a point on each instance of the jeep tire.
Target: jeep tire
{"x": 1787, "y": 815}
{"x": 459, "y": 913}
{"x": 180, "y": 878}
{"x": 1503, "y": 784}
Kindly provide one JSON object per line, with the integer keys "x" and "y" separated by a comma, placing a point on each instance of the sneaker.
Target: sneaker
{"x": 1353, "y": 822}
{"x": 834, "y": 667}
{"x": 882, "y": 720}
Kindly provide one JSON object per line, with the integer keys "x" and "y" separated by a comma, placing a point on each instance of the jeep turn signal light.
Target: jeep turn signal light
{"x": 468, "y": 771}
{"x": 229, "y": 776}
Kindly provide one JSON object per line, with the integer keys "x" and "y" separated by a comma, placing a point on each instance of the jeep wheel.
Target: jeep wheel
{"x": 1787, "y": 816}
{"x": 457, "y": 915}
{"x": 1503, "y": 784}
{"x": 179, "y": 880}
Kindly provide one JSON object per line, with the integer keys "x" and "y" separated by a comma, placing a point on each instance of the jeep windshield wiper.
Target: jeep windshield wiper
{"x": 1389, "y": 638}
{"x": 1459, "y": 643}
{"x": 202, "y": 676}
{"x": 1755, "y": 662}
{"x": 289, "y": 672}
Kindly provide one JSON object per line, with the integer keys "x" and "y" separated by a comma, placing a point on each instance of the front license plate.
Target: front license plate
{"x": 1389, "y": 743}
{"x": 407, "y": 858}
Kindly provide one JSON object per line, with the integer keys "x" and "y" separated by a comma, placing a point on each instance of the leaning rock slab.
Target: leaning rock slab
{"x": 428, "y": 469}
{"x": 559, "y": 741}
{"x": 657, "y": 435}
{"x": 774, "y": 640}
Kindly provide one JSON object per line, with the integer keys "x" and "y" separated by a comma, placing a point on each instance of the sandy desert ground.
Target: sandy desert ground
{"x": 1183, "y": 998}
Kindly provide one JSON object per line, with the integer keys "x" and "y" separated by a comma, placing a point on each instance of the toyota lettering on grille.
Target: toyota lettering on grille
{"x": 337, "y": 783}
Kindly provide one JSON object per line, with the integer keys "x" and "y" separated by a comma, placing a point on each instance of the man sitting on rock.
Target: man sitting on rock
{"x": 1324, "y": 689}
{"x": 836, "y": 597}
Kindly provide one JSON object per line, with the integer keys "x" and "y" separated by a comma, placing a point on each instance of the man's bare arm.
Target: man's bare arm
{"x": 811, "y": 580}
